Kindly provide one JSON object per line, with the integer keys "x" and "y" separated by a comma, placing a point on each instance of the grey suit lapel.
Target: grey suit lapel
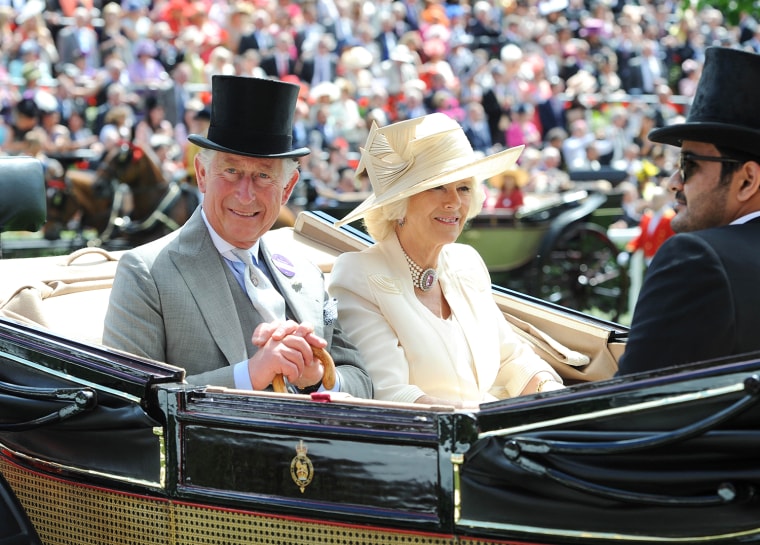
{"x": 303, "y": 296}
{"x": 202, "y": 269}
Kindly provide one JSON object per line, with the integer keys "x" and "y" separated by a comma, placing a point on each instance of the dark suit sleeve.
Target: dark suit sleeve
{"x": 304, "y": 306}
{"x": 685, "y": 311}
{"x": 305, "y": 70}
{"x": 247, "y": 42}
{"x": 354, "y": 378}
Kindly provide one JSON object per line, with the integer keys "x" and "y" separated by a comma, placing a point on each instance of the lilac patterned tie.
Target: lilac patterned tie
{"x": 265, "y": 298}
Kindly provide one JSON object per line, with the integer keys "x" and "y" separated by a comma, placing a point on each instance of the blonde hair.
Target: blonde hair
{"x": 381, "y": 222}
{"x": 118, "y": 114}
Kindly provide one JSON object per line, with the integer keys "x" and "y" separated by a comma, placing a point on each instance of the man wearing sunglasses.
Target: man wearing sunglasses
{"x": 700, "y": 298}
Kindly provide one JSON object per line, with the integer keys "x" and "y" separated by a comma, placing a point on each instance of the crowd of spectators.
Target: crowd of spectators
{"x": 580, "y": 83}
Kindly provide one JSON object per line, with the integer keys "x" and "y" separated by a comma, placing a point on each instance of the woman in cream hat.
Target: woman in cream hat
{"x": 417, "y": 305}
{"x": 509, "y": 189}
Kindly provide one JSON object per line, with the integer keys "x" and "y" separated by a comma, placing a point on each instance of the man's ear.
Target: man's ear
{"x": 750, "y": 184}
{"x": 200, "y": 173}
{"x": 290, "y": 186}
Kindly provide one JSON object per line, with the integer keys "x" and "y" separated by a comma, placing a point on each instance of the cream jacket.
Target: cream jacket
{"x": 403, "y": 349}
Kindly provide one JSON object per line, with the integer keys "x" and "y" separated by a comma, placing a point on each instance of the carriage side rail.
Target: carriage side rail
{"x": 533, "y": 453}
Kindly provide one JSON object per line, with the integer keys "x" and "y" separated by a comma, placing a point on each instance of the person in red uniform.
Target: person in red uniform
{"x": 510, "y": 194}
{"x": 654, "y": 224}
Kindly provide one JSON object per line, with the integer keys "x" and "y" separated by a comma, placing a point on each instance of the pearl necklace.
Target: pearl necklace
{"x": 421, "y": 279}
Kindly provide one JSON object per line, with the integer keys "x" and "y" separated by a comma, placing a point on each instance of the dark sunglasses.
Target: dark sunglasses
{"x": 688, "y": 159}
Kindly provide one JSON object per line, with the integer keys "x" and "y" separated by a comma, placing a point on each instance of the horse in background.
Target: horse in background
{"x": 71, "y": 200}
{"x": 144, "y": 205}
{"x": 126, "y": 200}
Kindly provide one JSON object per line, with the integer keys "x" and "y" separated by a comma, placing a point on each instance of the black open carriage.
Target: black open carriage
{"x": 98, "y": 446}
{"x": 557, "y": 250}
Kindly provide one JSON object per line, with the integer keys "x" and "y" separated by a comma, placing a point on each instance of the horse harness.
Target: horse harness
{"x": 159, "y": 216}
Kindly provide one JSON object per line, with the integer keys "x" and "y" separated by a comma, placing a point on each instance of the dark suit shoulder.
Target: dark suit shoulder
{"x": 683, "y": 250}
{"x": 727, "y": 240}
{"x": 248, "y": 41}
{"x": 698, "y": 300}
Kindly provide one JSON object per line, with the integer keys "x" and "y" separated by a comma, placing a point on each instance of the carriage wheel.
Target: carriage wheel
{"x": 581, "y": 272}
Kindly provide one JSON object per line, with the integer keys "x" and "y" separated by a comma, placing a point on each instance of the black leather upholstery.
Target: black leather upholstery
{"x": 22, "y": 194}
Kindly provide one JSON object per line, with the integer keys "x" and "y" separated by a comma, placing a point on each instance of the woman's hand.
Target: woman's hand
{"x": 542, "y": 382}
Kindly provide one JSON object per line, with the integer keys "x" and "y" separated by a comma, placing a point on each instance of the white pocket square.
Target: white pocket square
{"x": 330, "y": 311}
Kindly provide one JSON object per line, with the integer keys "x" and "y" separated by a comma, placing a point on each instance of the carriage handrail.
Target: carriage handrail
{"x": 519, "y": 445}
{"x": 517, "y": 448}
{"x": 725, "y": 492}
{"x": 80, "y": 400}
{"x": 562, "y": 199}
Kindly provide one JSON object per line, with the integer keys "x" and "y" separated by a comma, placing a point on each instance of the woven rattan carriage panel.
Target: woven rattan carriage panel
{"x": 65, "y": 513}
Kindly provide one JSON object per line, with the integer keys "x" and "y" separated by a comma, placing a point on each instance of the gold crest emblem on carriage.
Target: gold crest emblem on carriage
{"x": 301, "y": 469}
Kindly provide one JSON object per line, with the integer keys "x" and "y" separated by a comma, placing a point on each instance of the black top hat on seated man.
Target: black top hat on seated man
{"x": 725, "y": 110}
{"x": 251, "y": 116}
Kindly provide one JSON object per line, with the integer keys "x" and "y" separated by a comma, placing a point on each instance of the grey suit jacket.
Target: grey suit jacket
{"x": 172, "y": 301}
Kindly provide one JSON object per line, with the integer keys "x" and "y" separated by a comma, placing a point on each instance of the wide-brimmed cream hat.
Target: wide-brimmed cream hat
{"x": 356, "y": 58}
{"x": 325, "y": 89}
{"x": 519, "y": 175}
{"x": 411, "y": 156}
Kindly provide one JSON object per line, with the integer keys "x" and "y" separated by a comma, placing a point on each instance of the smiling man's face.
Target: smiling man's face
{"x": 242, "y": 195}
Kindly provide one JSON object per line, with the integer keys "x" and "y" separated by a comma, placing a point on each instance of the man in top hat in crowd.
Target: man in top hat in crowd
{"x": 218, "y": 297}
{"x": 699, "y": 299}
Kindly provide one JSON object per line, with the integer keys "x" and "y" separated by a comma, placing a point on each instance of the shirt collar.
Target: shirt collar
{"x": 221, "y": 245}
{"x": 746, "y": 218}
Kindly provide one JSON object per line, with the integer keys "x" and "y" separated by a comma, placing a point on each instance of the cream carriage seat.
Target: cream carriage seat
{"x": 66, "y": 294}
{"x": 69, "y": 295}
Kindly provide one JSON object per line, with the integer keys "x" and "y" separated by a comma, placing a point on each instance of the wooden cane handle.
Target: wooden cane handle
{"x": 328, "y": 378}
{"x": 278, "y": 384}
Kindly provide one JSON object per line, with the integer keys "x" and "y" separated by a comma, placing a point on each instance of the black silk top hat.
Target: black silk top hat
{"x": 251, "y": 116}
{"x": 725, "y": 110}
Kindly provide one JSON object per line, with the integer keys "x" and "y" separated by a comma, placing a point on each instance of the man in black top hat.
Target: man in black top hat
{"x": 700, "y": 299}
{"x": 206, "y": 297}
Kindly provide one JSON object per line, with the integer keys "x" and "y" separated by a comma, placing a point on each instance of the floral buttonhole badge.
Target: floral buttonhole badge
{"x": 286, "y": 267}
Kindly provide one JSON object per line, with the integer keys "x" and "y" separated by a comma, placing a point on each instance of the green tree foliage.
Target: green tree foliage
{"x": 731, "y": 9}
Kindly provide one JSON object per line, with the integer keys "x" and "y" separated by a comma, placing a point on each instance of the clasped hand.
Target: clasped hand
{"x": 285, "y": 348}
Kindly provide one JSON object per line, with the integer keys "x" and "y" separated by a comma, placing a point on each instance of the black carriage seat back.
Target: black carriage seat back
{"x": 614, "y": 176}
{"x": 15, "y": 527}
{"x": 22, "y": 194}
